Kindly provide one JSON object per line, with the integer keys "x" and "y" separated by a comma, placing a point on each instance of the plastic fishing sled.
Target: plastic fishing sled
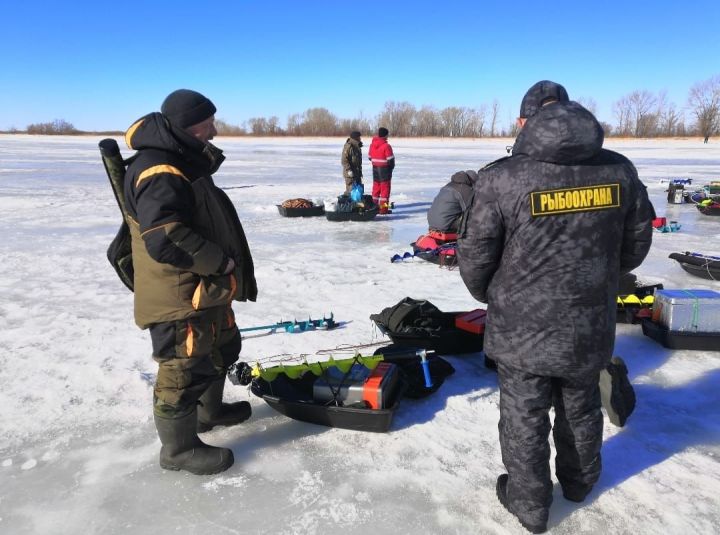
{"x": 634, "y": 302}
{"x": 680, "y": 339}
{"x": 437, "y": 247}
{"x": 348, "y": 210}
{"x": 698, "y": 264}
{"x": 300, "y": 208}
{"x": 359, "y": 393}
{"x": 708, "y": 207}
{"x": 294, "y": 398}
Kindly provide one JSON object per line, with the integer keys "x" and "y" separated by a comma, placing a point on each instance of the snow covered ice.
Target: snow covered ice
{"x": 79, "y": 449}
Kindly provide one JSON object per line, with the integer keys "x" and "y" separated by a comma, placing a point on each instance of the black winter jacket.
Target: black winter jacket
{"x": 184, "y": 228}
{"x": 551, "y": 229}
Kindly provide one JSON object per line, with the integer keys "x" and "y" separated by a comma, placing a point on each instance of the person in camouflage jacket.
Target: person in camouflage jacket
{"x": 191, "y": 261}
{"x": 450, "y": 203}
{"x": 351, "y": 161}
{"x": 550, "y": 231}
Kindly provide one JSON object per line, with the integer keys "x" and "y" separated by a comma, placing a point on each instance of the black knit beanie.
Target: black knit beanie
{"x": 355, "y": 134}
{"x": 383, "y": 132}
{"x": 184, "y": 108}
{"x": 539, "y": 94}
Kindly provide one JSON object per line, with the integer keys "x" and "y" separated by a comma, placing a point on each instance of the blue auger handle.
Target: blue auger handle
{"x": 426, "y": 367}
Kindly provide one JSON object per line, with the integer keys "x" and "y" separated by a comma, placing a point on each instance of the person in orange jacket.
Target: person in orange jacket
{"x": 383, "y": 162}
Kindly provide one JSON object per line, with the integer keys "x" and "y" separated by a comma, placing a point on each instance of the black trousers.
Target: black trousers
{"x": 525, "y": 402}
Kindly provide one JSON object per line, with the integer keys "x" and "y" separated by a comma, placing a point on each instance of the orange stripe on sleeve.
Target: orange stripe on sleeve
{"x": 158, "y": 170}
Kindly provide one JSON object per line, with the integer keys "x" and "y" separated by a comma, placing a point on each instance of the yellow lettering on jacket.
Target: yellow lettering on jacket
{"x": 567, "y": 200}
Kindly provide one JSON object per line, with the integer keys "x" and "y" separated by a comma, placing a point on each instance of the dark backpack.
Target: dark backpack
{"x": 419, "y": 323}
{"x": 409, "y": 315}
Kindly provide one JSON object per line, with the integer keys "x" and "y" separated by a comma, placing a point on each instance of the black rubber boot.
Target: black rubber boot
{"x": 576, "y": 495}
{"x": 616, "y": 392}
{"x": 501, "y": 492}
{"x": 183, "y": 450}
{"x": 212, "y": 411}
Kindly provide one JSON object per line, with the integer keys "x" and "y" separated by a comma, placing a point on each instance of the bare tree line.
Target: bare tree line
{"x": 403, "y": 119}
{"x": 640, "y": 113}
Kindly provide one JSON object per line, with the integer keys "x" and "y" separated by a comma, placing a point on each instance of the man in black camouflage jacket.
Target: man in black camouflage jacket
{"x": 550, "y": 231}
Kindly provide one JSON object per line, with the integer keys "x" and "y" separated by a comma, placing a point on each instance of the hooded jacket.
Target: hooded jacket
{"x": 551, "y": 229}
{"x": 184, "y": 228}
{"x": 451, "y": 202}
{"x": 382, "y": 158}
{"x": 351, "y": 159}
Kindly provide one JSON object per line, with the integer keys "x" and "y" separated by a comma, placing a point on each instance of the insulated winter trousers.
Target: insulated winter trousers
{"x": 191, "y": 354}
{"x": 381, "y": 192}
{"x": 525, "y": 401}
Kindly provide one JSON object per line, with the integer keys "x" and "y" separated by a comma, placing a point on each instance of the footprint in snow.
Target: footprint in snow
{"x": 27, "y": 465}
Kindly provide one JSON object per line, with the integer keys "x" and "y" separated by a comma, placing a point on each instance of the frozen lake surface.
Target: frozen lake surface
{"x": 79, "y": 449}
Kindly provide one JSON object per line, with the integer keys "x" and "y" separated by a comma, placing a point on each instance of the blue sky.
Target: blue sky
{"x": 71, "y": 60}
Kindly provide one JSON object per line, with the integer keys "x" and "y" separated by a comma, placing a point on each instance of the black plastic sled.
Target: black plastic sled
{"x": 712, "y": 209}
{"x": 355, "y": 215}
{"x": 633, "y": 311}
{"x": 294, "y": 399}
{"x": 442, "y": 257}
{"x": 681, "y": 339}
{"x": 700, "y": 265}
{"x": 301, "y": 212}
{"x": 348, "y": 210}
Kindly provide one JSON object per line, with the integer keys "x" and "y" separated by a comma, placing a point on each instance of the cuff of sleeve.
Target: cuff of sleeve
{"x": 223, "y": 265}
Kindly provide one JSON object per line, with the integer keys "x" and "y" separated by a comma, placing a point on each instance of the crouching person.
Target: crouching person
{"x": 451, "y": 202}
{"x": 191, "y": 260}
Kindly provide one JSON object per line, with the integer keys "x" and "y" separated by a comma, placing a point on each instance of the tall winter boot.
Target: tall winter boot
{"x": 183, "y": 450}
{"x": 212, "y": 411}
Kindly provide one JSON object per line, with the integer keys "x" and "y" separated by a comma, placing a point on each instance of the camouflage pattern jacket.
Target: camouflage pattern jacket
{"x": 551, "y": 229}
{"x": 184, "y": 228}
{"x": 351, "y": 159}
{"x": 451, "y": 202}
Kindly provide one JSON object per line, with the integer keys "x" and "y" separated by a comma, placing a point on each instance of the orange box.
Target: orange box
{"x": 443, "y": 236}
{"x": 473, "y": 321}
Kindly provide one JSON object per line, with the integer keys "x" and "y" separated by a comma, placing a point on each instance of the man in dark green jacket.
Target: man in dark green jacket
{"x": 191, "y": 260}
{"x": 351, "y": 161}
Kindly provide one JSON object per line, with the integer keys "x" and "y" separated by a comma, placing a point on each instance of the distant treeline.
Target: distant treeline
{"x": 637, "y": 114}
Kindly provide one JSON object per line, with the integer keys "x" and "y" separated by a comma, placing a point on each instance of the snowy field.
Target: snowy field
{"x": 79, "y": 450}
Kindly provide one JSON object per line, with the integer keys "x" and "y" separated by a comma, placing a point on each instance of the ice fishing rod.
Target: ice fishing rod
{"x": 119, "y": 253}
